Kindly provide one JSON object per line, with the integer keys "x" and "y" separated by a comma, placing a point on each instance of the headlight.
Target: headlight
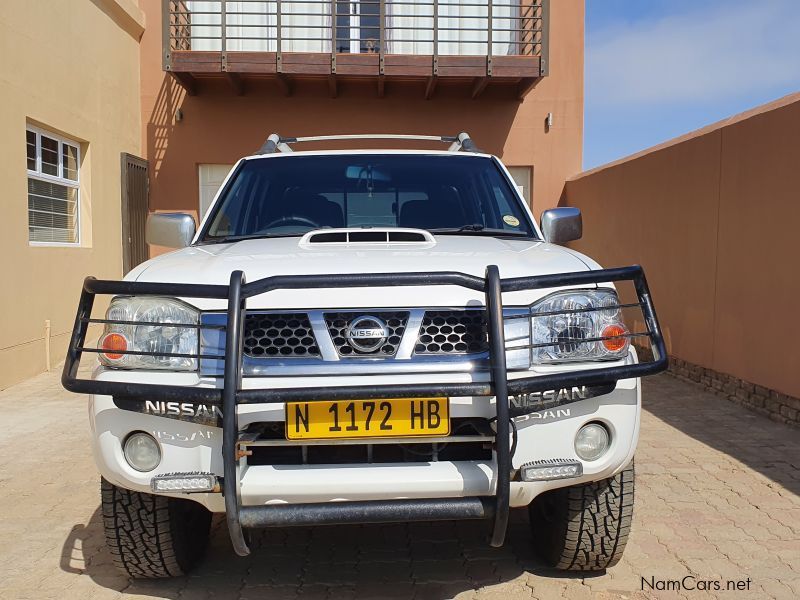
{"x": 578, "y": 325}
{"x": 517, "y": 333}
{"x": 175, "y": 333}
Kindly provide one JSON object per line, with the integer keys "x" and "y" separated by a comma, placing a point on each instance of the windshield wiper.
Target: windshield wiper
{"x": 238, "y": 238}
{"x": 477, "y": 228}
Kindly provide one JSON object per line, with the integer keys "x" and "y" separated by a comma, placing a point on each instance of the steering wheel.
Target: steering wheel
{"x": 286, "y": 219}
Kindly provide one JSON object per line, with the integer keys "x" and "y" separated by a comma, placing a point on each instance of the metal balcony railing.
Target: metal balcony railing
{"x": 399, "y": 27}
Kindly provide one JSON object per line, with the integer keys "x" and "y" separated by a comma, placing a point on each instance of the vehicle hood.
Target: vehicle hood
{"x": 259, "y": 258}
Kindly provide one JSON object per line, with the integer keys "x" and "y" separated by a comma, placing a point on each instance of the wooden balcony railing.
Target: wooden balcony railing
{"x": 479, "y": 41}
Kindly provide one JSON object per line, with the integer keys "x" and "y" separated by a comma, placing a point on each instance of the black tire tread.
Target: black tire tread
{"x": 148, "y": 536}
{"x": 591, "y": 530}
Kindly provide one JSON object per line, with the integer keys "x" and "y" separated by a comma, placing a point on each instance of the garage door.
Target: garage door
{"x": 211, "y": 178}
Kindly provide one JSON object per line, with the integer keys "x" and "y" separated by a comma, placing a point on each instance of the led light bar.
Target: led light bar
{"x": 185, "y": 482}
{"x": 547, "y": 470}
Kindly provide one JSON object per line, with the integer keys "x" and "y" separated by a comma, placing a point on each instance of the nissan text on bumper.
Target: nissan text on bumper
{"x": 366, "y": 337}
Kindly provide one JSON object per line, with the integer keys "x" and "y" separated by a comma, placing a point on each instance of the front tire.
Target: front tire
{"x": 584, "y": 527}
{"x": 153, "y": 536}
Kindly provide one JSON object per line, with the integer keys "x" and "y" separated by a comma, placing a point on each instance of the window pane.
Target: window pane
{"x": 49, "y": 156}
{"x": 343, "y": 9}
{"x": 369, "y": 32}
{"x": 70, "y": 158}
{"x": 52, "y": 212}
{"x": 30, "y": 138}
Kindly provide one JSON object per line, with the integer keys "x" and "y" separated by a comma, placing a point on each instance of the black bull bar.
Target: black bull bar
{"x": 231, "y": 393}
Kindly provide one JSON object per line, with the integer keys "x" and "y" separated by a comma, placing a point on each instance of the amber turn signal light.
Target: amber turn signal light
{"x": 614, "y": 337}
{"x": 112, "y": 344}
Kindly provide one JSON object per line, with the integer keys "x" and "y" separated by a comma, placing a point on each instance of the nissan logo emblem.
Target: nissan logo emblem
{"x": 366, "y": 334}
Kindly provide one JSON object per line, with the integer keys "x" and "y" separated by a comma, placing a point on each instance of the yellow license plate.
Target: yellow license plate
{"x": 367, "y": 418}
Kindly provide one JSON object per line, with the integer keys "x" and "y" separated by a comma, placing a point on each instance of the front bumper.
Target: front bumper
{"x": 265, "y": 496}
{"x": 542, "y": 435}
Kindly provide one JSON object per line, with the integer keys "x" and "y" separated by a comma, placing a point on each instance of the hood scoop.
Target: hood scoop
{"x": 373, "y": 235}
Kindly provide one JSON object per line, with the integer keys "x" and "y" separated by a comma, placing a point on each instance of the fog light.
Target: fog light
{"x": 551, "y": 469}
{"x": 592, "y": 441}
{"x": 184, "y": 482}
{"x": 142, "y": 451}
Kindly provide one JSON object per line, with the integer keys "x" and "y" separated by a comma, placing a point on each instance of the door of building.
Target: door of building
{"x": 357, "y": 27}
{"x": 135, "y": 188}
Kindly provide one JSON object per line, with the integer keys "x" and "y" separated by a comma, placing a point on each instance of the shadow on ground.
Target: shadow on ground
{"x": 418, "y": 560}
{"x": 765, "y": 446}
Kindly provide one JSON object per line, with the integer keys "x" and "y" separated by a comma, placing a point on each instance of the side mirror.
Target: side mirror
{"x": 173, "y": 230}
{"x": 561, "y": 225}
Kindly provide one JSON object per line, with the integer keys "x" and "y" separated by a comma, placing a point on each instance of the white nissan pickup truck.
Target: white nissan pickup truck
{"x": 366, "y": 336}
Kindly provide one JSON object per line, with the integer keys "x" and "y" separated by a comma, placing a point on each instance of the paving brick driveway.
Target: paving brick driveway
{"x": 717, "y": 499}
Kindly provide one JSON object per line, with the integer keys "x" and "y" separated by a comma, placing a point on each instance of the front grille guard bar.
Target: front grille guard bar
{"x": 231, "y": 394}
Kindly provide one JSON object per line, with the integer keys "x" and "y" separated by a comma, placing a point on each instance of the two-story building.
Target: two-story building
{"x": 115, "y": 108}
{"x": 218, "y": 77}
{"x": 69, "y": 110}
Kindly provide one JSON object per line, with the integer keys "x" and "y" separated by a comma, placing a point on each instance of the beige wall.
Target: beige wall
{"x": 219, "y": 127}
{"x": 713, "y": 217}
{"x": 71, "y": 67}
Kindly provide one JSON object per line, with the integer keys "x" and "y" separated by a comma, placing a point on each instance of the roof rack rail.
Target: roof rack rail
{"x": 276, "y": 143}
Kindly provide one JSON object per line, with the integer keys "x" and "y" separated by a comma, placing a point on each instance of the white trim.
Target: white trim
{"x": 57, "y": 179}
{"x": 53, "y": 179}
{"x": 54, "y": 244}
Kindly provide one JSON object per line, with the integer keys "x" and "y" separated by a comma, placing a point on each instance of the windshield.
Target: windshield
{"x": 293, "y": 195}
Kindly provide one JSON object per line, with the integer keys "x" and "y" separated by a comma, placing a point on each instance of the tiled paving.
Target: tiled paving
{"x": 717, "y": 500}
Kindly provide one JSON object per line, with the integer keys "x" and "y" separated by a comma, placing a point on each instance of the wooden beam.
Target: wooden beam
{"x": 196, "y": 61}
{"x": 284, "y": 84}
{"x": 186, "y": 81}
{"x": 381, "y": 86}
{"x": 430, "y": 87}
{"x": 332, "y": 86}
{"x": 305, "y": 63}
{"x": 525, "y": 85}
{"x": 478, "y": 85}
{"x": 235, "y": 80}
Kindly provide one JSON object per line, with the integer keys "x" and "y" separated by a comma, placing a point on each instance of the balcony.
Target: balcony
{"x": 468, "y": 45}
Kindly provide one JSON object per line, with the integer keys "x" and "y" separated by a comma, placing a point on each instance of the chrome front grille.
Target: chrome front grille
{"x": 279, "y": 335}
{"x": 338, "y": 322}
{"x": 453, "y": 332}
{"x": 313, "y": 342}
{"x": 292, "y": 335}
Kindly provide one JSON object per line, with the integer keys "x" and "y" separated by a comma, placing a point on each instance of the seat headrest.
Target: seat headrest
{"x": 443, "y": 209}
{"x": 314, "y": 207}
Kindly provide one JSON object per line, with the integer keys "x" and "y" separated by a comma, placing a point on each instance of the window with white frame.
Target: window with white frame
{"x": 53, "y": 194}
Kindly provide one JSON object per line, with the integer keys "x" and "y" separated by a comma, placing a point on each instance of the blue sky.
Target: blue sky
{"x": 656, "y": 69}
